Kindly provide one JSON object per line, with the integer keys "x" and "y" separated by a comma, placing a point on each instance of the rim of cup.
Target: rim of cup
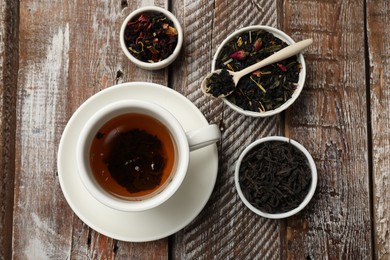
{"x": 309, "y": 195}
{"x": 165, "y": 62}
{"x": 302, "y": 74}
{"x": 98, "y": 120}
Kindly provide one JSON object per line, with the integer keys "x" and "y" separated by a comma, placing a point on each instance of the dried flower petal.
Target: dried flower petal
{"x": 282, "y": 67}
{"x": 258, "y": 44}
{"x": 239, "y": 42}
{"x": 239, "y": 55}
{"x": 142, "y": 18}
{"x": 171, "y": 31}
{"x": 256, "y": 73}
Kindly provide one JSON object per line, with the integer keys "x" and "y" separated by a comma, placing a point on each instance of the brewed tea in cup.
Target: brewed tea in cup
{"x": 133, "y": 155}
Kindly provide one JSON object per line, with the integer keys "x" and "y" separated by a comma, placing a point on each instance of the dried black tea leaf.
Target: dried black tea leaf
{"x": 220, "y": 84}
{"x": 275, "y": 177}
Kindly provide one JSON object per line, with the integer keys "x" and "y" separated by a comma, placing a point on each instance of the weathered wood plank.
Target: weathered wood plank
{"x": 69, "y": 51}
{"x": 225, "y": 228}
{"x": 9, "y": 19}
{"x": 111, "y": 61}
{"x": 88, "y": 244}
{"x": 378, "y": 36}
{"x": 330, "y": 120}
{"x": 40, "y": 210}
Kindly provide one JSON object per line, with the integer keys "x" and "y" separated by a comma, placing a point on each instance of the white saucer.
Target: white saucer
{"x": 156, "y": 223}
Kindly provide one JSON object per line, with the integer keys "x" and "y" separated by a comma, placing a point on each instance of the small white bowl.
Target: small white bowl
{"x": 310, "y": 193}
{"x": 302, "y": 75}
{"x": 165, "y": 62}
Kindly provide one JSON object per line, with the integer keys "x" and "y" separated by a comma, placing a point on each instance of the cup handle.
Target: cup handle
{"x": 203, "y": 136}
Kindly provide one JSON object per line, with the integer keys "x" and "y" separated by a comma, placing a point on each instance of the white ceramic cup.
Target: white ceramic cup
{"x": 184, "y": 142}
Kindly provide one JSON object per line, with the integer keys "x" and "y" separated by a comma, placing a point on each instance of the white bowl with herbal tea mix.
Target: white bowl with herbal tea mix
{"x": 269, "y": 90}
{"x": 151, "y": 37}
{"x": 275, "y": 177}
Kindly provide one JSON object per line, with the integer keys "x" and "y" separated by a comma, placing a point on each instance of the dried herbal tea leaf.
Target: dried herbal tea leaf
{"x": 220, "y": 84}
{"x": 267, "y": 88}
{"x": 150, "y": 37}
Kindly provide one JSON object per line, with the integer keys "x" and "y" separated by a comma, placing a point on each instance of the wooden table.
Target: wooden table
{"x": 56, "y": 54}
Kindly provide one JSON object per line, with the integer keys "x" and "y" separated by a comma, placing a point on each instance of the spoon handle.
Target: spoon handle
{"x": 284, "y": 53}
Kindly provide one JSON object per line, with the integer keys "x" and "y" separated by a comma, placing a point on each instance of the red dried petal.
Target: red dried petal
{"x": 282, "y": 67}
{"x": 239, "y": 55}
{"x": 143, "y": 18}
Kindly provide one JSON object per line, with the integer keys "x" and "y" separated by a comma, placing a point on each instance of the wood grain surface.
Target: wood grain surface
{"x": 225, "y": 228}
{"x": 330, "y": 120}
{"x": 8, "y": 86}
{"x": 54, "y": 55}
{"x": 75, "y": 54}
{"x": 378, "y": 27}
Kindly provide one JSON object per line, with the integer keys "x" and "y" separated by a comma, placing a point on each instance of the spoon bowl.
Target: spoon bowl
{"x": 284, "y": 53}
